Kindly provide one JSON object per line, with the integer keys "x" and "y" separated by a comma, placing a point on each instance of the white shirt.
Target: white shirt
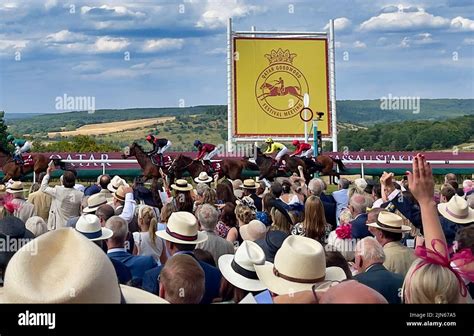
{"x": 146, "y": 247}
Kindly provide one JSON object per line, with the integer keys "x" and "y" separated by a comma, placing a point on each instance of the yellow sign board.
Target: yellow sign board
{"x": 271, "y": 75}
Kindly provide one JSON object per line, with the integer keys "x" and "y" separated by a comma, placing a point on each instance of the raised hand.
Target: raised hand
{"x": 420, "y": 181}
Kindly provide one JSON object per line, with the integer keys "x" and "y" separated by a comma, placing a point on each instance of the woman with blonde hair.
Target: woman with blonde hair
{"x": 245, "y": 211}
{"x": 146, "y": 241}
{"x": 314, "y": 224}
{"x": 281, "y": 220}
{"x": 434, "y": 277}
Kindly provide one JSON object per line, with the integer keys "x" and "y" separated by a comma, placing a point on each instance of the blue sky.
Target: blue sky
{"x": 177, "y": 48}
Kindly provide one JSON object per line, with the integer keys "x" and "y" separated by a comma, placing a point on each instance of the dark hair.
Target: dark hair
{"x": 286, "y": 187}
{"x": 453, "y": 184}
{"x": 392, "y": 236}
{"x": 228, "y": 216}
{"x": 104, "y": 212}
{"x": 104, "y": 181}
{"x": 184, "y": 247}
{"x": 225, "y": 193}
{"x": 183, "y": 201}
{"x": 276, "y": 189}
{"x": 335, "y": 258}
{"x": 344, "y": 183}
{"x": 368, "y": 189}
{"x": 465, "y": 238}
{"x": 69, "y": 180}
{"x": 447, "y": 191}
{"x": 206, "y": 256}
{"x": 73, "y": 171}
{"x": 377, "y": 190}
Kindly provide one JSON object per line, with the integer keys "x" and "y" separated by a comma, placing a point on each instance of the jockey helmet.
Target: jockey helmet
{"x": 269, "y": 140}
{"x": 10, "y": 137}
{"x": 149, "y": 137}
{"x": 197, "y": 143}
{"x": 296, "y": 142}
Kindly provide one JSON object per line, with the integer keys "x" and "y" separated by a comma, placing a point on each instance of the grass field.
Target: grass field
{"x": 112, "y": 127}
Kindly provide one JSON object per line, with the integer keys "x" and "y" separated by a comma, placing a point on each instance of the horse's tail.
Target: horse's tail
{"x": 339, "y": 163}
{"x": 250, "y": 165}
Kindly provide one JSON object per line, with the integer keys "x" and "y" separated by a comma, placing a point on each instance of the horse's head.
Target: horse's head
{"x": 174, "y": 164}
{"x": 263, "y": 86}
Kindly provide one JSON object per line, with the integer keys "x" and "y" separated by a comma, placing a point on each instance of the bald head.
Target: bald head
{"x": 359, "y": 203}
{"x": 351, "y": 291}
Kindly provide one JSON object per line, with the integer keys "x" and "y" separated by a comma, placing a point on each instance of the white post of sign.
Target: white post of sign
{"x": 332, "y": 84}
{"x": 230, "y": 59}
{"x": 306, "y": 105}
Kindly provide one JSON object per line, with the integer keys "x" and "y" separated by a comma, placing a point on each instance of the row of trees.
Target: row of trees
{"x": 410, "y": 135}
{"x": 80, "y": 143}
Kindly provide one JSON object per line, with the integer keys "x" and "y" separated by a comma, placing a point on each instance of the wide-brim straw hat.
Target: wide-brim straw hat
{"x": 203, "y": 178}
{"x": 253, "y": 231}
{"x": 250, "y": 184}
{"x": 181, "y": 185}
{"x": 115, "y": 183}
{"x": 94, "y": 202}
{"x": 15, "y": 188}
{"x": 63, "y": 266}
{"x": 299, "y": 265}
{"x": 239, "y": 269}
{"x": 182, "y": 228}
{"x": 457, "y": 210}
{"x": 389, "y": 221}
{"x": 89, "y": 226}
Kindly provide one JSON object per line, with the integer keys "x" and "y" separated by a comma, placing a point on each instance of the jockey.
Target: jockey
{"x": 21, "y": 146}
{"x": 206, "y": 151}
{"x": 275, "y": 147}
{"x": 303, "y": 149}
{"x": 159, "y": 145}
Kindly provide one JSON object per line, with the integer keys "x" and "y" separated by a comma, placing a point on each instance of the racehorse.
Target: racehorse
{"x": 269, "y": 171}
{"x": 150, "y": 170}
{"x": 324, "y": 164}
{"x": 12, "y": 170}
{"x": 275, "y": 91}
{"x": 231, "y": 168}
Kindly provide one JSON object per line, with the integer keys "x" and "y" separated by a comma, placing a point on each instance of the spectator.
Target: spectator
{"x": 36, "y": 225}
{"x": 115, "y": 183}
{"x": 377, "y": 195}
{"x": 239, "y": 273}
{"x": 227, "y": 225}
{"x": 254, "y": 230}
{"x": 351, "y": 292}
{"x": 41, "y": 201}
{"x": 166, "y": 211}
{"x": 123, "y": 203}
{"x": 199, "y": 198}
{"x": 203, "y": 178}
{"x": 316, "y": 187}
{"x": 181, "y": 236}
{"x": 358, "y": 206}
{"x": 204, "y": 256}
{"x": 271, "y": 243}
{"x": 22, "y": 208}
{"x": 146, "y": 241}
{"x": 454, "y": 215}
{"x": 264, "y": 215}
{"x": 245, "y": 211}
{"x": 182, "y": 196}
{"x": 369, "y": 257}
{"x": 288, "y": 196}
{"x": 341, "y": 196}
{"x": 446, "y": 193}
{"x": 104, "y": 212}
{"x": 100, "y": 186}
{"x": 142, "y": 194}
{"x": 207, "y": 217}
{"x": 238, "y": 192}
{"x": 281, "y": 220}
{"x": 182, "y": 280}
{"x": 388, "y": 229}
{"x": 225, "y": 193}
{"x": 209, "y": 197}
{"x": 92, "y": 204}
{"x": 138, "y": 265}
{"x": 335, "y": 258}
{"x": 249, "y": 188}
{"x": 66, "y": 201}
{"x": 314, "y": 225}
{"x": 468, "y": 187}
{"x": 449, "y": 177}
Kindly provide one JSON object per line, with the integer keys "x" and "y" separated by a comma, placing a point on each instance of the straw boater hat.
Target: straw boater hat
{"x": 94, "y": 202}
{"x": 181, "y": 185}
{"x": 250, "y": 184}
{"x": 457, "y": 210}
{"x": 203, "y": 178}
{"x": 253, "y": 231}
{"x": 120, "y": 193}
{"x": 89, "y": 226}
{"x": 15, "y": 188}
{"x": 182, "y": 228}
{"x": 115, "y": 183}
{"x": 299, "y": 264}
{"x": 239, "y": 269}
{"x": 388, "y": 221}
{"x": 66, "y": 268}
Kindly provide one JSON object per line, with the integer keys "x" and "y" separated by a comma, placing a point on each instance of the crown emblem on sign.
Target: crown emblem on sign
{"x": 280, "y": 56}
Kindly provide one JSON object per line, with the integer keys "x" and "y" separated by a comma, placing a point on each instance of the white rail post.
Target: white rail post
{"x": 332, "y": 84}
{"x": 230, "y": 59}
{"x": 103, "y": 168}
{"x": 362, "y": 171}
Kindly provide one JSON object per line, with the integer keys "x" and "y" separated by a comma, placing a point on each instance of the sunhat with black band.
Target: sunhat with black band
{"x": 94, "y": 202}
{"x": 182, "y": 228}
{"x": 388, "y": 221}
{"x": 203, "y": 178}
{"x": 181, "y": 185}
{"x": 239, "y": 269}
{"x": 250, "y": 184}
{"x": 120, "y": 193}
{"x": 15, "y": 188}
{"x": 115, "y": 183}
{"x": 299, "y": 264}
{"x": 89, "y": 226}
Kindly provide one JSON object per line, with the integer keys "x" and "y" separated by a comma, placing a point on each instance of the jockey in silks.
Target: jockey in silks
{"x": 302, "y": 149}
{"x": 206, "y": 152}
{"x": 159, "y": 146}
{"x": 21, "y": 146}
{"x": 275, "y": 147}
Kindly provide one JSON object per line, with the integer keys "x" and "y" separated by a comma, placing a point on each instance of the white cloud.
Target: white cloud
{"x": 162, "y": 45}
{"x": 468, "y": 41}
{"x": 113, "y": 11}
{"x": 65, "y": 36}
{"x": 12, "y": 44}
{"x": 217, "y": 51}
{"x": 50, "y": 4}
{"x": 340, "y": 24}
{"x": 406, "y": 18}
{"x": 405, "y": 43}
{"x": 460, "y": 23}
{"x": 216, "y": 13}
{"x": 110, "y": 44}
{"x": 359, "y": 45}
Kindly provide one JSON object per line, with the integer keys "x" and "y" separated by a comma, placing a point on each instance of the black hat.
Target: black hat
{"x": 12, "y": 228}
{"x": 272, "y": 243}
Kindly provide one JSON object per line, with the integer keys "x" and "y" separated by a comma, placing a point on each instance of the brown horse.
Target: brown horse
{"x": 12, "y": 170}
{"x": 149, "y": 169}
{"x": 325, "y": 164}
{"x": 269, "y": 171}
{"x": 230, "y": 168}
